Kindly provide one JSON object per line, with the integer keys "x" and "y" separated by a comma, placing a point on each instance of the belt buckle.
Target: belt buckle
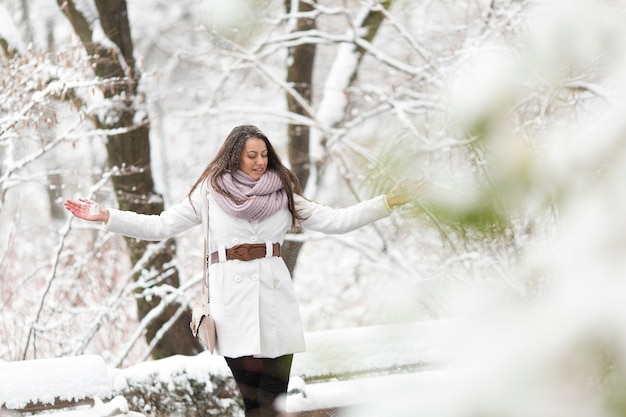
{"x": 240, "y": 252}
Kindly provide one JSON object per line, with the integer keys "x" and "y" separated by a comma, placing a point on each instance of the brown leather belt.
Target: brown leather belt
{"x": 246, "y": 252}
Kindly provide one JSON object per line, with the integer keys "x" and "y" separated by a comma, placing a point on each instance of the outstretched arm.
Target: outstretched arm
{"x": 87, "y": 210}
{"x": 168, "y": 223}
{"x": 342, "y": 220}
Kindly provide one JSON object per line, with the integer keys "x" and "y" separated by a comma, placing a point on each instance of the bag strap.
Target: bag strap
{"x": 205, "y": 270}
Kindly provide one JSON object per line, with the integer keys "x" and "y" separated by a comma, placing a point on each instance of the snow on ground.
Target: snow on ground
{"x": 43, "y": 380}
{"x": 372, "y": 348}
{"x": 361, "y": 392}
{"x": 337, "y": 352}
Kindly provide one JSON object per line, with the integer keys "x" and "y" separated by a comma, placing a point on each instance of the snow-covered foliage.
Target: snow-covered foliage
{"x": 514, "y": 111}
{"x": 192, "y": 386}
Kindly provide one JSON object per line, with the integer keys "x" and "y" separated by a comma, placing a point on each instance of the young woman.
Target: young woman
{"x": 247, "y": 201}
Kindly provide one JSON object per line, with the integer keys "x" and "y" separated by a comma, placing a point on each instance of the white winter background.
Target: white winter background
{"x": 510, "y": 107}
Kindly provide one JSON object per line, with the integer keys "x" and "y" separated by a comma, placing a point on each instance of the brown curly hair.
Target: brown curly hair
{"x": 227, "y": 160}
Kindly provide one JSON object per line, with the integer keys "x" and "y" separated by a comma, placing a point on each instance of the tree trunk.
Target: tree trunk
{"x": 372, "y": 23}
{"x": 300, "y": 75}
{"x": 129, "y": 157}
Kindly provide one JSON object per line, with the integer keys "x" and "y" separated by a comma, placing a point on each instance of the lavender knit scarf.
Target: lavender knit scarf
{"x": 252, "y": 200}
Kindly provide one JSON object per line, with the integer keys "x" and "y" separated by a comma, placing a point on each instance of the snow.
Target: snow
{"x": 224, "y": 15}
{"x": 43, "y": 380}
{"x": 88, "y": 9}
{"x": 372, "y": 348}
{"x": 484, "y": 84}
{"x": 334, "y": 352}
{"x": 538, "y": 331}
{"x": 198, "y": 367}
{"x": 8, "y": 30}
{"x": 115, "y": 407}
{"x": 364, "y": 392}
{"x": 334, "y": 100}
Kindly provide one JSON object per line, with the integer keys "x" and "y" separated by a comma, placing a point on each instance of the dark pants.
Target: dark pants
{"x": 261, "y": 381}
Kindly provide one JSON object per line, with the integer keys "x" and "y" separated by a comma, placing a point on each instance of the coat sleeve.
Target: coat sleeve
{"x": 170, "y": 222}
{"x": 342, "y": 220}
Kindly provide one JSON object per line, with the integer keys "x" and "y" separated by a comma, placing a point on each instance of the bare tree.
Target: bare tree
{"x": 128, "y": 148}
{"x": 301, "y": 64}
{"x": 300, "y": 76}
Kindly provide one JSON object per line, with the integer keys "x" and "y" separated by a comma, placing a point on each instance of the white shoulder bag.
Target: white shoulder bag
{"x": 202, "y": 323}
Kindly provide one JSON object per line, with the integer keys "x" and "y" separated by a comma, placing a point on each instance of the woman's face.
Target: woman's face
{"x": 253, "y": 159}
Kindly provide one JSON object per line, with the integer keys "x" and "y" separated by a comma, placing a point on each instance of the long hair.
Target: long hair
{"x": 227, "y": 160}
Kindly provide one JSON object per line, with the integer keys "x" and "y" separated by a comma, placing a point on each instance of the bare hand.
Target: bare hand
{"x": 405, "y": 191}
{"x": 87, "y": 210}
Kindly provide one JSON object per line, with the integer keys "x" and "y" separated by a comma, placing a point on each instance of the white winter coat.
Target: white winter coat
{"x": 253, "y": 302}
